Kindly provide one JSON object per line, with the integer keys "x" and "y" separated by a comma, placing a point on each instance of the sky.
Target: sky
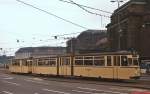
{"x": 24, "y": 26}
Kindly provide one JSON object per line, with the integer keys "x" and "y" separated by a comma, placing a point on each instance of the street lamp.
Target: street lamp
{"x": 118, "y": 1}
{"x": 119, "y": 26}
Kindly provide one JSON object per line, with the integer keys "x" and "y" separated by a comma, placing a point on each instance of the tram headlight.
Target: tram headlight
{"x": 137, "y": 72}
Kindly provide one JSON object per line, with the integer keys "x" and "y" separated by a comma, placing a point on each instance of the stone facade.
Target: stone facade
{"x": 90, "y": 41}
{"x": 130, "y": 27}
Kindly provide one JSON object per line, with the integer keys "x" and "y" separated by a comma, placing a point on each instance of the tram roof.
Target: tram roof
{"x": 88, "y": 54}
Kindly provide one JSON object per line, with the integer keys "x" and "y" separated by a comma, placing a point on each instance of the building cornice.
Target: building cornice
{"x": 127, "y": 5}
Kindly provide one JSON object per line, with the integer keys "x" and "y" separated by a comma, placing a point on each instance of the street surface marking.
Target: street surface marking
{"x": 140, "y": 90}
{"x": 4, "y": 75}
{"x": 8, "y": 78}
{"x": 38, "y": 79}
{"x": 101, "y": 90}
{"x": 55, "y": 91}
{"x": 36, "y": 82}
{"x": 11, "y": 83}
{"x": 7, "y": 92}
{"x": 128, "y": 89}
{"x": 36, "y": 93}
{"x": 86, "y": 92}
{"x": 90, "y": 89}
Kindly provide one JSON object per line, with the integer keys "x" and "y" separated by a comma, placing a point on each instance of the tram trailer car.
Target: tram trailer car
{"x": 19, "y": 66}
{"x": 110, "y": 65}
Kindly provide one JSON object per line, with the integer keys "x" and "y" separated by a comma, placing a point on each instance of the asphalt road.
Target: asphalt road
{"x": 20, "y": 84}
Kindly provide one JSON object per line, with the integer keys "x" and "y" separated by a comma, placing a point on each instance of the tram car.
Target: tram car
{"x": 109, "y": 65}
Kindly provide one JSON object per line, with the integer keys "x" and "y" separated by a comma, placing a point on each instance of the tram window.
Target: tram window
{"x": 30, "y": 63}
{"x": 78, "y": 62}
{"x": 88, "y": 57}
{"x": 16, "y": 63}
{"x": 40, "y": 63}
{"x": 99, "y": 62}
{"x": 115, "y": 61}
{"x": 118, "y": 60}
{"x": 52, "y": 59}
{"x": 52, "y": 63}
{"x": 124, "y": 61}
{"x": 135, "y": 62}
{"x": 24, "y": 63}
{"x": 47, "y": 63}
{"x": 79, "y": 57}
{"x": 130, "y": 61}
{"x": 98, "y": 57}
{"x": 88, "y": 62}
{"x": 65, "y": 61}
{"x": 109, "y": 61}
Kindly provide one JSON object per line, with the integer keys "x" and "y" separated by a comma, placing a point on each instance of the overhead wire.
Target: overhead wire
{"x": 81, "y": 6}
{"x": 88, "y": 7}
{"x": 87, "y": 10}
{"x": 62, "y": 36}
{"x": 51, "y": 14}
{"x": 61, "y": 17}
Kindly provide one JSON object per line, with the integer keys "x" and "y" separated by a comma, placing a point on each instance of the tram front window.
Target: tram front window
{"x": 135, "y": 62}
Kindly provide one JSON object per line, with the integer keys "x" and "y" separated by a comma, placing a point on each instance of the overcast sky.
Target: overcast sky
{"x": 36, "y": 28}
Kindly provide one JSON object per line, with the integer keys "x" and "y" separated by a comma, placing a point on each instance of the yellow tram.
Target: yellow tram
{"x": 111, "y": 65}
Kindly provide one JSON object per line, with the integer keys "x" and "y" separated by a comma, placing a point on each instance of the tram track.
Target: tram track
{"x": 133, "y": 84}
{"x": 142, "y": 84}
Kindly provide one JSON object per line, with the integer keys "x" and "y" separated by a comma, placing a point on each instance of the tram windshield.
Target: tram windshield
{"x": 135, "y": 62}
{"x": 129, "y": 61}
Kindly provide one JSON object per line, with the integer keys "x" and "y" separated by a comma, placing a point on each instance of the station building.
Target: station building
{"x": 89, "y": 41}
{"x": 130, "y": 27}
{"x": 28, "y": 52}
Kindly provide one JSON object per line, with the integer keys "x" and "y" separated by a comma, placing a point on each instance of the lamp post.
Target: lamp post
{"x": 72, "y": 54}
{"x": 118, "y": 21}
{"x": 71, "y": 50}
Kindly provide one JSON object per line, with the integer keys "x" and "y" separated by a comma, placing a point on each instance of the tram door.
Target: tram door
{"x": 30, "y": 65}
{"x": 64, "y": 66}
{"x": 116, "y": 63}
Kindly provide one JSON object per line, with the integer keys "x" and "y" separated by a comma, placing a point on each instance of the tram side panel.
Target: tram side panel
{"x": 16, "y": 66}
{"x": 46, "y": 66}
{"x": 92, "y": 66}
{"x": 110, "y": 66}
{"x": 45, "y": 70}
{"x": 15, "y": 69}
{"x": 95, "y": 71}
{"x": 128, "y": 72}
